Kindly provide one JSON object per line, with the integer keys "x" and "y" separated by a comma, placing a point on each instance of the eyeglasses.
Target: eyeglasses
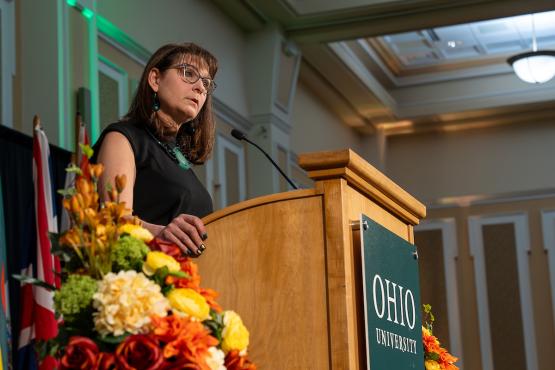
{"x": 191, "y": 75}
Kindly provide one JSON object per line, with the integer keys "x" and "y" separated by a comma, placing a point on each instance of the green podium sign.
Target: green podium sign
{"x": 391, "y": 300}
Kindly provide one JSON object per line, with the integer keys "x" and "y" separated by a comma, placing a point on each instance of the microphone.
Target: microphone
{"x": 241, "y": 136}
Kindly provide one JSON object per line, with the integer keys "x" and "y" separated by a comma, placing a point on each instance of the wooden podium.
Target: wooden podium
{"x": 289, "y": 263}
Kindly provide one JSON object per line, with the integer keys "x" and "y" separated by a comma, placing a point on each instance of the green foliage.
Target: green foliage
{"x": 75, "y": 169}
{"x": 87, "y": 150}
{"x": 179, "y": 274}
{"x": 159, "y": 276}
{"x": 215, "y": 324}
{"x": 74, "y": 298}
{"x": 67, "y": 256}
{"x": 128, "y": 254}
{"x": 112, "y": 340}
{"x": 429, "y": 317}
{"x": 67, "y": 193}
{"x": 31, "y": 280}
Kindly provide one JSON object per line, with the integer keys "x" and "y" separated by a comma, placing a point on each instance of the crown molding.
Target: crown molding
{"x": 273, "y": 120}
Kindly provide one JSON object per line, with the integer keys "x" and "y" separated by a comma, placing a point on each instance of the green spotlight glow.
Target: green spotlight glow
{"x": 87, "y": 13}
{"x": 71, "y": 2}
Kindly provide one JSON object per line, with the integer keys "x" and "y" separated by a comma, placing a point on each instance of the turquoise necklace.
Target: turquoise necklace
{"x": 174, "y": 153}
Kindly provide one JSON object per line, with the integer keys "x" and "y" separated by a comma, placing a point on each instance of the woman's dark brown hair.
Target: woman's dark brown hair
{"x": 196, "y": 146}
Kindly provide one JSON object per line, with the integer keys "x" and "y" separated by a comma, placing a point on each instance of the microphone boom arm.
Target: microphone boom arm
{"x": 274, "y": 163}
{"x": 240, "y": 136}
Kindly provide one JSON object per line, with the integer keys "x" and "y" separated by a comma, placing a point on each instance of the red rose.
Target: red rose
{"x": 106, "y": 361}
{"x": 139, "y": 352}
{"x": 49, "y": 363}
{"x": 80, "y": 353}
{"x": 168, "y": 248}
{"x": 178, "y": 364}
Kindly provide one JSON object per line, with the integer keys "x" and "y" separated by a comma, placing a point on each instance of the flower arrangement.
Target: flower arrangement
{"x": 130, "y": 301}
{"x": 435, "y": 356}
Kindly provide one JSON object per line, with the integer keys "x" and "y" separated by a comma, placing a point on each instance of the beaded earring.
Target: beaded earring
{"x": 155, "y": 103}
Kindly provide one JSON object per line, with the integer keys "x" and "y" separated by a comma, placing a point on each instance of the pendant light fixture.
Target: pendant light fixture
{"x": 534, "y": 66}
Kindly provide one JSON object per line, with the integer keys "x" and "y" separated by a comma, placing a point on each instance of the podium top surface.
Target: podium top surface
{"x": 361, "y": 175}
{"x": 258, "y": 201}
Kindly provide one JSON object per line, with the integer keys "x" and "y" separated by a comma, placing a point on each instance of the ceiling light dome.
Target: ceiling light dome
{"x": 534, "y": 66}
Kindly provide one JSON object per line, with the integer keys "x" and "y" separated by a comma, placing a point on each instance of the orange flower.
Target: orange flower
{"x": 446, "y": 360}
{"x": 185, "y": 339}
{"x": 95, "y": 170}
{"x": 167, "y": 328}
{"x": 431, "y": 343}
{"x": 70, "y": 238}
{"x": 113, "y": 195}
{"x": 121, "y": 181}
{"x": 66, "y": 203}
{"x": 191, "y": 268}
{"x": 210, "y": 295}
{"x": 234, "y": 361}
{"x": 74, "y": 202}
{"x": 83, "y": 186}
{"x": 187, "y": 282}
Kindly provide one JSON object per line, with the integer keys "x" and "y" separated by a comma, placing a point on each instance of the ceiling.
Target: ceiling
{"x": 464, "y": 45}
{"x": 415, "y": 65}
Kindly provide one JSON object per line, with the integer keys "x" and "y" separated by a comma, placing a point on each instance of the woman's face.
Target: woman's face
{"x": 180, "y": 100}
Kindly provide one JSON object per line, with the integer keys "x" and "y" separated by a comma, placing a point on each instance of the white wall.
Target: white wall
{"x": 154, "y": 23}
{"x": 485, "y": 162}
{"x": 316, "y": 128}
{"x": 37, "y": 81}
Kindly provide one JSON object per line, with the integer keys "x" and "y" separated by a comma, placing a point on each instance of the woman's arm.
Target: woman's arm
{"x": 117, "y": 156}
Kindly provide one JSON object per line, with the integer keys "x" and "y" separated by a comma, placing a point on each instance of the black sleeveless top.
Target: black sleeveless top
{"x": 162, "y": 189}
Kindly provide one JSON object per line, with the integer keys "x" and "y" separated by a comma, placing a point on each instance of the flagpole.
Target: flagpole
{"x": 36, "y": 123}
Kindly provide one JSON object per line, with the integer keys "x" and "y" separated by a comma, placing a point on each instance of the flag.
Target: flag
{"x": 45, "y": 223}
{"x": 38, "y": 320}
{"x": 5, "y": 325}
{"x": 82, "y": 162}
{"x": 25, "y": 356}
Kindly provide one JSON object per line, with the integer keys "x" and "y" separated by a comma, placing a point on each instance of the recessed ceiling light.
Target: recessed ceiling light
{"x": 451, "y": 44}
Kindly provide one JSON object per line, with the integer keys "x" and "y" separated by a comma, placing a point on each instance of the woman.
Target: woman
{"x": 168, "y": 127}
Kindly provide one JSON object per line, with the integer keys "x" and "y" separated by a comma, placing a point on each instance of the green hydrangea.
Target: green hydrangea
{"x": 128, "y": 253}
{"x": 75, "y": 296}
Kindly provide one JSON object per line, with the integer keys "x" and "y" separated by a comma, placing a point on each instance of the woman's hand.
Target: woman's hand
{"x": 187, "y": 232}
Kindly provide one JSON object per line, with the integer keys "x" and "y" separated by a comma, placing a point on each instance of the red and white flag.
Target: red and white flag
{"x": 45, "y": 323}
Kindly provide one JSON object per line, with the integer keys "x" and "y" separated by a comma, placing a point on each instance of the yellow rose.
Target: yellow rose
{"x": 235, "y": 334}
{"x": 157, "y": 260}
{"x": 136, "y": 231}
{"x": 431, "y": 365}
{"x": 189, "y": 302}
